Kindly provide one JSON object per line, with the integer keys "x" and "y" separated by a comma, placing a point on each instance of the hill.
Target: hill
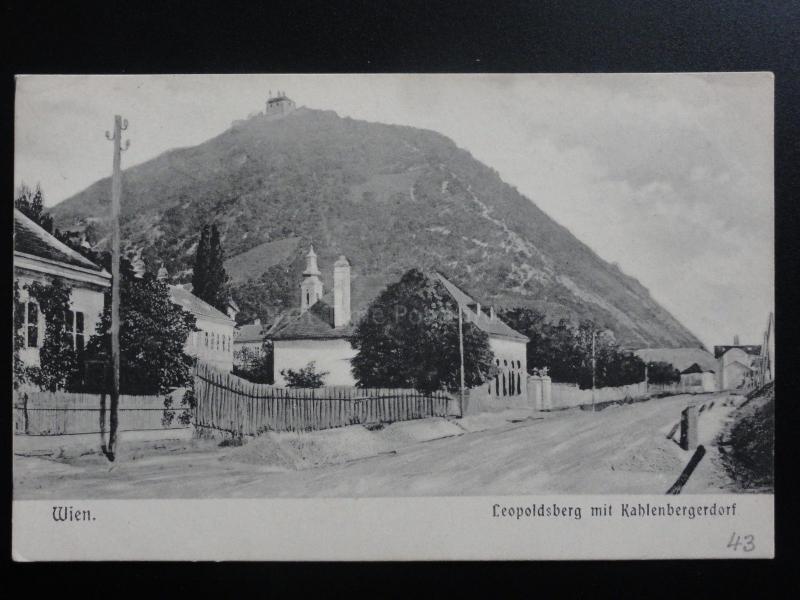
{"x": 388, "y": 197}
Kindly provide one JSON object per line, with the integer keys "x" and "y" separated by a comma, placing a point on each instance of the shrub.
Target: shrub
{"x": 307, "y": 377}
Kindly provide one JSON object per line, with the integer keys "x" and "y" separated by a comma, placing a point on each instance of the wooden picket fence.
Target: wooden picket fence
{"x": 228, "y": 403}
{"x": 63, "y": 413}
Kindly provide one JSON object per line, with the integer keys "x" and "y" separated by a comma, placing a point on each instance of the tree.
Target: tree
{"x": 31, "y": 204}
{"x": 59, "y": 365}
{"x": 307, "y": 377}
{"x": 20, "y": 371}
{"x": 662, "y": 373}
{"x": 209, "y": 279}
{"x": 255, "y": 364}
{"x": 153, "y": 332}
{"x": 566, "y": 350}
{"x": 409, "y": 338}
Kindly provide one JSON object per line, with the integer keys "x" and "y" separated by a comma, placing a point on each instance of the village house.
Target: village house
{"x": 321, "y": 332}
{"x": 250, "y": 336}
{"x": 696, "y": 366}
{"x": 322, "y": 329}
{"x": 213, "y": 343}
{"x": 39, "y": 256}
{"x": 736, "y": 364}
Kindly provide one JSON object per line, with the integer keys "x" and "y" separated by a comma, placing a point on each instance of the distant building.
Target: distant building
{"x": 697, "y": 366}
{"x": 736, "y": 364}
{"x": 213, "y": 344}
{"x": 279, "y": 104}
{"x": 39, "y": 256}
{"x": 250, "y": 336}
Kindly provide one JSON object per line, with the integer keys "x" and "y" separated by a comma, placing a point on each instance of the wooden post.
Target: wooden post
{"x": 461, "y": 353}
{"x": 116, "y": 192}
{"x": 594, "y": 336}
{"x": 689, "y": 428}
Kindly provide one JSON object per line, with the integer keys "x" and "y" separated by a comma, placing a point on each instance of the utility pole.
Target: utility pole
{"x": 120, "y": 125}
{"x": 461, "y": 353}
{"x": 594, "y": 336}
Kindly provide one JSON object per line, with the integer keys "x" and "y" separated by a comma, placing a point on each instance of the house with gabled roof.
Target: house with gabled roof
{"x": 321, "y": 329}
{"x": 40, "y": 256}
{"x": 736, "y": 363}
{"x": 213, "y": 342}
{"x": 697, "y": 366}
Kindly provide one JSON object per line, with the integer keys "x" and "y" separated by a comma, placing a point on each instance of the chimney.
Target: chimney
{"x": 491, "y": 313}
{"x": 341, "y": 292}
{"x": 256, "y": 321}
{"x": 736, "y": 340}
{"x": 478, "y": 309}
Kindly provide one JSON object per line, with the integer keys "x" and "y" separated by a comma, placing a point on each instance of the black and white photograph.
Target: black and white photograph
{"x": 357, "y": 286}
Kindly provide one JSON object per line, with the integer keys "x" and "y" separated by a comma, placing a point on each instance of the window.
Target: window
{"x": 497, "y": 385}
{"x": 79, "y": 342}
{"x": 206, "y": 339}
{"x": 33, "y": 325}
{"x": 519, "y": 388}
{"x": 73, "y": 322}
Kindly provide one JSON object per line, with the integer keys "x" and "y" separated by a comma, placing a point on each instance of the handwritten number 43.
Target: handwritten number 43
{"x": 743, "y": 542}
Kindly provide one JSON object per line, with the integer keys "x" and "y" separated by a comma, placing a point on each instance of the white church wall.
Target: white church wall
{"x": 329, "y": 355}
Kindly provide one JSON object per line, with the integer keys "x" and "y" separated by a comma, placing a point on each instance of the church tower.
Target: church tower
{"x": 311, "y": 288}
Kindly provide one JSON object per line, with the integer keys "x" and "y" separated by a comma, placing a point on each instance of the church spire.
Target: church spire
{"x": 311, "y": 288}
{"x": 311, "y": 263}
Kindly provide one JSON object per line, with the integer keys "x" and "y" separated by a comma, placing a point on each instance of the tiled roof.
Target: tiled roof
{"x": 195, "y": 305}
{"x": 314, "y": 324}
{"x": 30, "y": 238}
{"x": 680, "y": 358}
{"x": 752, "y": 350}
{"x": 252, "y": 332}
{"x": 480, "y": 319}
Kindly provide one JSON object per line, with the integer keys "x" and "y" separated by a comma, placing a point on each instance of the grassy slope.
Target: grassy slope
{"x": 389, "y": 198}
{"x": 749, "y": 444}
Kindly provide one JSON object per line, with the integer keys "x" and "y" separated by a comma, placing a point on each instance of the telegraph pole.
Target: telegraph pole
{"x": 594, "y": 335}
{"x": 461, "y": 353}
{"x": 120, "y": 125}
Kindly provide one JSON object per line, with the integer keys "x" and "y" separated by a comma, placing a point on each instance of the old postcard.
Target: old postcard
{"x": 381, "y": 317}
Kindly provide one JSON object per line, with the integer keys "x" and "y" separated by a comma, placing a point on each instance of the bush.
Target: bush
{"x": 662, "y": 373}
{"x": 254, "y": 365}
{"x": 307, "y": 377}
{"x": 409, "y": 338}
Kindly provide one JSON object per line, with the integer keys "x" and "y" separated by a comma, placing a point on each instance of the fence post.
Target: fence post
{"x": 689, "y": 428}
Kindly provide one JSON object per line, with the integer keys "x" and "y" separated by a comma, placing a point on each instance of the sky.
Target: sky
{"x": 668, "y": 175}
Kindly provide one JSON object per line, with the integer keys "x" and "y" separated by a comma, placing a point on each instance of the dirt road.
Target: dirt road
{"x": 622, "y": 449}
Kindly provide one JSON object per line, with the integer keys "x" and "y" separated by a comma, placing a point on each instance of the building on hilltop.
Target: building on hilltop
{"x": 279, "y": 104}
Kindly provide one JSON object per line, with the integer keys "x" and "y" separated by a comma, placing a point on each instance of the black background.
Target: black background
{"x": 463, "y": 36}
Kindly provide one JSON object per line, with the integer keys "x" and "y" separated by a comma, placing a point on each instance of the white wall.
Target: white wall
{"x": 493, "y": 395}
{"x": 82, "y": 299}
{"x": 698, "y": 382}
{"x": 213, "y": 344}
{"x": 330, "y": 355}
{"x": 567, "y": 395}
{"x": 511, "y": 357}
